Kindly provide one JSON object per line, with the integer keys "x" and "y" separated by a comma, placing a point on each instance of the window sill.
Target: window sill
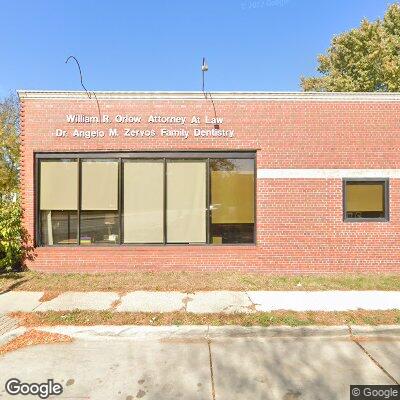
{"x": 149, "y": 247}
{"x": 366, "y": 220}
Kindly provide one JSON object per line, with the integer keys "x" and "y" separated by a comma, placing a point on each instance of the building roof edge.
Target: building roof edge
{"x": 219, "y": 95}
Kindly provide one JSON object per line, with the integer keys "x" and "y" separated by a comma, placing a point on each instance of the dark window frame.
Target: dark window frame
{"x": 386, "y": 200}
{"x": 120, "y": 157}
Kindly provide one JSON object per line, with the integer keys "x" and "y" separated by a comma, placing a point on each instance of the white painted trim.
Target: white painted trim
{"x": 250, "y": 96}
{"x": 326, "y": 173}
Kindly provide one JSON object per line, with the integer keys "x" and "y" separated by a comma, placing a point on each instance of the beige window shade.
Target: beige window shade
{"x": 58, "y": 185}
{"x": 99, "y": 185}
{"x": 364, "y": 197}
{"x": 232, "y": 197}
{"x": 143, "y": 202}
{"x": 186, "y": 202}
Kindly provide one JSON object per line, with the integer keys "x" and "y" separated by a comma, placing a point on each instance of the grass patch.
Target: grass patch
{"x": 191, "y": 281}
{"x": 275, "y": 318}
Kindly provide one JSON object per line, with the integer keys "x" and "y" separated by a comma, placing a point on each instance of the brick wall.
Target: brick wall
{"x": 299, "y": 221}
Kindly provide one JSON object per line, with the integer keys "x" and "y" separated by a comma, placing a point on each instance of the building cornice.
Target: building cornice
{"x": 231, "y": 96}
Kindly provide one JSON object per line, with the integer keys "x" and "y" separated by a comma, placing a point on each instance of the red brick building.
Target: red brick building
{"x": 281, "y": 183}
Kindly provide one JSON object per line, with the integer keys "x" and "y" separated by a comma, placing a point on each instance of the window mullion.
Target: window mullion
{"x": 208, "y": 201}
{"x": 78, "y": 233}
{"x": 38, "y": 218}
{"x": 120, "y": 193}
{"x": 165, "y": 203}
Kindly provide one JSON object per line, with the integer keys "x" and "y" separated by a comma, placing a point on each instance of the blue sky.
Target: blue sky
{"x": 158, "y": 45}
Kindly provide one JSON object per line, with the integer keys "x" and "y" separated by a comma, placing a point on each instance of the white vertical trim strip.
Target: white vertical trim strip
{"x": 326, "y": 173}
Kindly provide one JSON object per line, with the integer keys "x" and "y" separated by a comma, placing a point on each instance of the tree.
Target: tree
{"x": 13, "y": 238}
{"x": 9, "y": 145}
{"x": 14, "y": 248}
{"x": 365, "y": 59}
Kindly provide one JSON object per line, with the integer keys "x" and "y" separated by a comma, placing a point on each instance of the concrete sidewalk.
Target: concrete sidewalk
{"x": 203, "y": 302}
{"x": 6, "y": 324}
{"x": 216, "y": 363}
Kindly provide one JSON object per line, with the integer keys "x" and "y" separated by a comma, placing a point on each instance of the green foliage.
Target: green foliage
{"x": 13, "y": 241}
{"x": 9, "y": 146}
{"x": 365, "y": 59}
{"x": 11, "y": 235}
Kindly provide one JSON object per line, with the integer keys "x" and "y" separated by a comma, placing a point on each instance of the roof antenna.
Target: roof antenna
{"x": 204, "y": 69}
{"x": 89, "y": 95}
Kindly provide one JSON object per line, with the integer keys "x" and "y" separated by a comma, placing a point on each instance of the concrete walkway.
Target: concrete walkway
{"x": 215, "y": 363}
{"x": 203, "y": 302}
{"x": 7, "y": 324}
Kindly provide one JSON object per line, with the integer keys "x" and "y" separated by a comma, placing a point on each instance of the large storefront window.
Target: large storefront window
{"x": 232, "y": 201}
{"x": 99, "y": 202}
{"x": 174, "y": 198}
{"x": 143, "y": 201}
{"x": 58, "y": 201}
{"x": 186, "y": 202}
